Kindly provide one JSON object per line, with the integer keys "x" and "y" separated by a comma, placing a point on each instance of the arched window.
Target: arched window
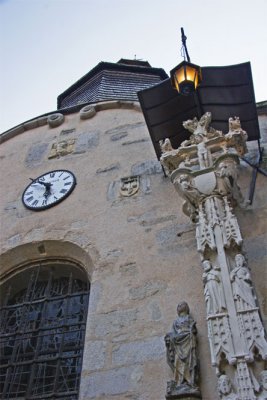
{"x": 43, "y": 323}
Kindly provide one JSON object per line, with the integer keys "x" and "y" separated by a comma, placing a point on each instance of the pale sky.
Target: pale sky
{"x": 47, "y": 45}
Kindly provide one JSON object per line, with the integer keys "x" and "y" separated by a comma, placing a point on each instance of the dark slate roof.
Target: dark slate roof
{"x": 112, "y": 81}
{"x": 224, "y": 91}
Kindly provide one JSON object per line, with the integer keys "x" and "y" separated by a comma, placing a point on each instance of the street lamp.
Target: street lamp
{"x": 186, "y": 76}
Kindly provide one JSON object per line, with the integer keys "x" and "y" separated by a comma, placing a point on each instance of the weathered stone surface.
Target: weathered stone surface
{"x": 108, "y": 168}
{"x": 149, "y": 167}
{"x": 254, "y": 246}
{"x": 114, "y": 321}
{"x": 95, "y": 295}
{"x": 118, "y": 136}
{"x": 77, "y": 238}
{"x": 35, "y": 154}
{"x": 129, "y": 268}
{"x": 125, "y": 128}
{"x": 177, "y": 238}
{"x": 11, "y": 206}
{"x": 35, "y": 234}
{"x": 145, "y": 184}
{"x": 113, "y": 190}
{"x": 114, "y": 253}
{"x": 138, "y": 352}
{"x": 115, "y": 381}
{"x": 95, "y": 355}
{"x": 142, "y": 140}
{"x": 155, "y": 310}
{"x": 86, "y": 141}
{"x": 67, "y": 132}
{"x": 150, "y": 218}
{"x": 148, "y": 289}
{"x": 14, "y": 240}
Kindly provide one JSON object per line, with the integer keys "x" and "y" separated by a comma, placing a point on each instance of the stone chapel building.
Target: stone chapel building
{"x": 96, "y": 251}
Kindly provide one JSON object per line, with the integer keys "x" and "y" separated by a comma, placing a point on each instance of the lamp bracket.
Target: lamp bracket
{"x": 184, "y": 45}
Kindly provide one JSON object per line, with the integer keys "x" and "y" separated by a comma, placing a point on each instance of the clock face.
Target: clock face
{"x": 48, "y": 189}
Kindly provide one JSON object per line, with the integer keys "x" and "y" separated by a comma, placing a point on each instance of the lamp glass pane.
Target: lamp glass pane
{"x": 190, "y": 73}
{"x": 180, "y": 74}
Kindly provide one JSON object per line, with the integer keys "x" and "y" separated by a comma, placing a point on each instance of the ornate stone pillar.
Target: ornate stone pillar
{"x": 204, "y": 172}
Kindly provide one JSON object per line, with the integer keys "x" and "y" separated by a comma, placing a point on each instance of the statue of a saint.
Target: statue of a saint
{"x": 225, "y": 388}
{"x": 213, "y": 289}
{"x": 241, "y": 284}
{"x": 263, "y": 384}
{"x": 181, "y": 353}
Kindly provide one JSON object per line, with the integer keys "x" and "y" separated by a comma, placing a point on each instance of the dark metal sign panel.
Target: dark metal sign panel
{"x": 225, "y": 92}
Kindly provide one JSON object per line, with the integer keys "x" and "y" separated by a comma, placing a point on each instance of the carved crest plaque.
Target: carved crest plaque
{"x": 129, "y": 186}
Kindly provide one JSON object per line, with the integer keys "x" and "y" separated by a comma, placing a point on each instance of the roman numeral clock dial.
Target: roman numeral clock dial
{"x": 48, "y": 189}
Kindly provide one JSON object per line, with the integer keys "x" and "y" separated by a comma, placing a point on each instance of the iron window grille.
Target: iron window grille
{"x": 42, "y": 330}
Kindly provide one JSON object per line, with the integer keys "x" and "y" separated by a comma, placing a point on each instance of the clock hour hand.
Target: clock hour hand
{"x": 47, "y": 193}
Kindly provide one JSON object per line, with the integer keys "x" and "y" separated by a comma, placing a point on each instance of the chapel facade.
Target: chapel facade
{"x": 98, "y": 249}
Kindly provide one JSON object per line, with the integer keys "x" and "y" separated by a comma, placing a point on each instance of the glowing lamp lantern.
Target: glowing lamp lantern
{"x": 186, "y": 77}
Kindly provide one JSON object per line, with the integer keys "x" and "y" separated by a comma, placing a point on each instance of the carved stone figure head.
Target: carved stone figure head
{"x": 165, "y": 145}
{"x": 205, "y": 120}
{"x": 191, "y": 124}
{"x": 222, "y": 169}
{"x": 183, "y": 308}
{"x": 234, "y": 124}
{"x": 224, "y": 385}
{"x": 206, "y": 265}
{"x": 240, "y": 260}
{"x": 184, "y": 181}
{"x": 263, "y": 379}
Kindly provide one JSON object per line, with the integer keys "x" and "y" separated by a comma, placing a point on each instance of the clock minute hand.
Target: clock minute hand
{"x": 46, "y": 184}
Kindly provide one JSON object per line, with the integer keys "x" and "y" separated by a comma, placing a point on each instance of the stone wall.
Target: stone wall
{"x": 139, "y": 251}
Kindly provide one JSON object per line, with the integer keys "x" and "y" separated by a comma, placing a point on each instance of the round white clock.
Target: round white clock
{"x": 48, "y": 189}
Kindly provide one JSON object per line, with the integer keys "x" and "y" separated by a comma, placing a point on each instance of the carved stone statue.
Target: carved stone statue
{"x": 184, "y": 184}
{"x": 263, "y": 383}
{"x": 234, "y": 124}
{"x": 165, "y": 145}
{"x": 226, "y": 175}
{"x": 213, "y": 289}
{"x": 201, "y": 128}
{"x": 181, "y": 355}
{"x": 241, "y": 284}
{"x": 225, "y": 388}
{"x": 201, "y": 134}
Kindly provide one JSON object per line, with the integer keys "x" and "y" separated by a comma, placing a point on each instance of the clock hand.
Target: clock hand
{"x": 46, "y": 184}
{"x": 47, "y": 193}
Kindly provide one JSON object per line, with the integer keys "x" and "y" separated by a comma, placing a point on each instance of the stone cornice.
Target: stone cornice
{"x": 44, "y": 119}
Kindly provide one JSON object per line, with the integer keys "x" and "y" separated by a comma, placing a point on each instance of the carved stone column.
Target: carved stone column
{"x": 204, "y": 172}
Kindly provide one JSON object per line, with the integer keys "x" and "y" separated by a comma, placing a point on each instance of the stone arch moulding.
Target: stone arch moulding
{"x": 18, "y": 258}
